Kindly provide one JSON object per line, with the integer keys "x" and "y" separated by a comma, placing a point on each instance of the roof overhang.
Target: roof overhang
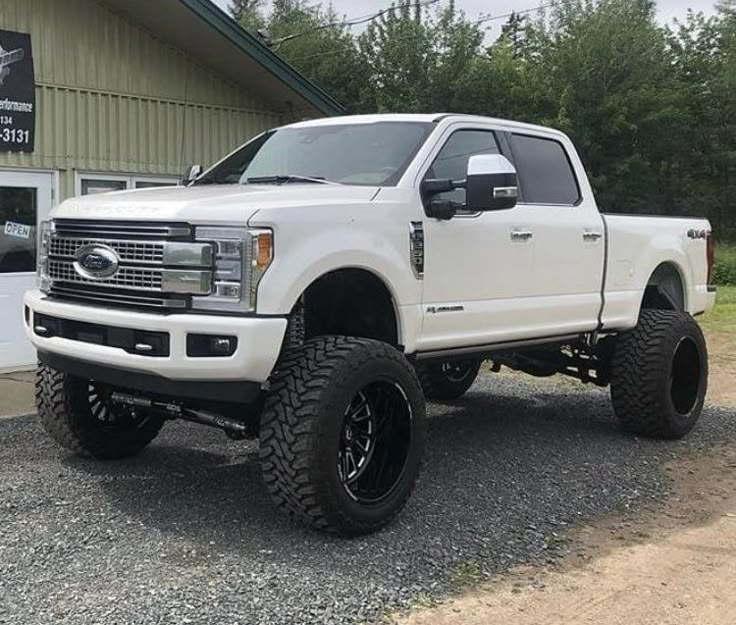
{"x": 201, "y": 29}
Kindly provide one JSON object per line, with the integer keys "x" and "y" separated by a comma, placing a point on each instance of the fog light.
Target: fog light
{"x": 211, "y": 345}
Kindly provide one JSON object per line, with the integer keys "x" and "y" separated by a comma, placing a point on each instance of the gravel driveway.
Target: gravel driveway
{"x": 185, "y": 533}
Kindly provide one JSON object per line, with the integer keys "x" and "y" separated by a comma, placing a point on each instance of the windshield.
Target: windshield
{"x": 374, "y": 154}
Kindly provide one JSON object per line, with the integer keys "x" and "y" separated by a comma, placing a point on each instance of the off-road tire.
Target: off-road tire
{"x": 302, "y": 429}
{"x": 659, "y": 375}
{"x": 64, "y": 410}
{"x": 436, "y": 383}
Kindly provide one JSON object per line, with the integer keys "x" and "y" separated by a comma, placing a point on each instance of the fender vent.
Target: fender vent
{"x": 416, "y": 248}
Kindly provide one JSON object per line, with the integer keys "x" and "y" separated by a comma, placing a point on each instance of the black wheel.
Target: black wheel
{"x": 659, "y": 375}
{"x": 448, "y": 380}
{"x": 342, "y": 434}
{"x": 80, "y": 416}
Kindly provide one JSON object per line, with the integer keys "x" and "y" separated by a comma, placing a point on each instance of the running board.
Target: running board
{"x": 494, "y": 348}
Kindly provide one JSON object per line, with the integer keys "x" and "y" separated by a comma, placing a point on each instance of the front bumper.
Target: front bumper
{"x": 258, "y": 347}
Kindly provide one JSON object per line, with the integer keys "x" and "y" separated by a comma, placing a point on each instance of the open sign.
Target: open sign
{"x": 20, "y": 231}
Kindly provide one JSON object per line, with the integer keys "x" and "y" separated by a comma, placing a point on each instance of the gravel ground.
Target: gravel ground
{"x": 185, "y": 533}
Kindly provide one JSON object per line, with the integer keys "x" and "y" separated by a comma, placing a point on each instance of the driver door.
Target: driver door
{"x": 476, "y": 264}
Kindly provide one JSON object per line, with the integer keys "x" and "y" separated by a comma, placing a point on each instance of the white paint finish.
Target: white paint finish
{"x": 312, "y": 241}
{"x": 208, "y": 204}
{"x": 485, "y": 322}
{"x": 473, "y": 262}
{"x": 15, "y": 351}
{"x": 497, "y": 287}
{"x": 637, "y": 245}
{"x": 259, "y": 341}
{"x": 508, "y": 286}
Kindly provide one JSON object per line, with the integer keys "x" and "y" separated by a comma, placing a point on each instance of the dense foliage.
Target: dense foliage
{"x": 651, "y": 108}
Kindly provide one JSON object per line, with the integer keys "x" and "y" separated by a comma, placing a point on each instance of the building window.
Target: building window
{"x": 89, "y": 183}
{"x": 90, "y": 186}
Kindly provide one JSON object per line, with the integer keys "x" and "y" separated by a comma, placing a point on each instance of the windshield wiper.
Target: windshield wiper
{"x": 213, "y": 181}
{"x": 284, "y": 178}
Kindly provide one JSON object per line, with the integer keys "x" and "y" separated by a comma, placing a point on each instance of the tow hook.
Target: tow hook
{"x": 172, "y": 410}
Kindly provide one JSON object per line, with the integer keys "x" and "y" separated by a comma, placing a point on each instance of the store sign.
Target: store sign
{"x": 21, "y": 231}
{"x": 17, "y": 93}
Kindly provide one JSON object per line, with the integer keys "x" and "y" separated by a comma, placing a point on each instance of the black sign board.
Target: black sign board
{"x": 17, "y": 93}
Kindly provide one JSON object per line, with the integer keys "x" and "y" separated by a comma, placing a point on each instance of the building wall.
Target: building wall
{"x": 111, "y": 97}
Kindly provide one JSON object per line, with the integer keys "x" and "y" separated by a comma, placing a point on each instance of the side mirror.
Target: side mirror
{"x": 194, "y": 172}
{"x": 491, "y": 183}
{"x": 441, "y": 209}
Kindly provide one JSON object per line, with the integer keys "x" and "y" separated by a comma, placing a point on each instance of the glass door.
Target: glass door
{"x": 25, "y": 201}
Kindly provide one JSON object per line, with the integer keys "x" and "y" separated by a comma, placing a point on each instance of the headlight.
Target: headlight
{"x": 43, "y": 280}
{"x": 241, "y": 258}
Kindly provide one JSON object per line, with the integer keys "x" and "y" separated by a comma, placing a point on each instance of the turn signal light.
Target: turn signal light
{"x": 264, "y": 250}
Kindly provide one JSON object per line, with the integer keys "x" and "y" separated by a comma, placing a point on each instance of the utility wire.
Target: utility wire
{"x": 349, "y": 23}
{"x": 479, "y": 21}
{"x": 522, "y": 12}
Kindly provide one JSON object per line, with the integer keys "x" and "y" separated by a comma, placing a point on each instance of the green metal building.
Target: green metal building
{"x": 101, "y": 95}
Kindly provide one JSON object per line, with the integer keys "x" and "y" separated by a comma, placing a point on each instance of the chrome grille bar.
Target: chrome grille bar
{"x": 112, "y": 298}
{"x": 169, "y": 253}
{"x": 121, "y": 229}
{"x": 194, "y": 282}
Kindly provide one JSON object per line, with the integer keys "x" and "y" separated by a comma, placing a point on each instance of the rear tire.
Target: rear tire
{"x": 659, "y": 375}
{"x": 342, "y": 434}
{"x": 79, "y": 415}
{"x": 445, "y": 381}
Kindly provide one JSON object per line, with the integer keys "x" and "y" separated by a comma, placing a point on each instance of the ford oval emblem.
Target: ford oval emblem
{"x": 96, "y": 262}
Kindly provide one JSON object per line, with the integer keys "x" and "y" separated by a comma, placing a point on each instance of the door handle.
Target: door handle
{"x": 592, "y": 235}
{"x": 521, "y": 235}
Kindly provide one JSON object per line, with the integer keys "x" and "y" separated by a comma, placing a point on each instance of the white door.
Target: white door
{"x": 475, "y": 268}
{"x": 25, "y": 201}
{"x": 566, "y": 236}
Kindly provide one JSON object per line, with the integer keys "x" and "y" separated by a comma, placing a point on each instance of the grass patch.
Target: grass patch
{"x": 466, "y": 574}
{"x": 724, "y": 269}
{"x": 722, "y": 319}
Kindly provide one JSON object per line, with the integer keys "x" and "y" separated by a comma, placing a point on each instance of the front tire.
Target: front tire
{"x": 80, "y": 416}
{"x": 448, "y": 380}
{"x": 342, "y": 434}
{"x": 659, "y": 375}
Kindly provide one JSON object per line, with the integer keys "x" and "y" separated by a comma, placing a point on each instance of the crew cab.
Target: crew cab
{"x": 313, "y": 287}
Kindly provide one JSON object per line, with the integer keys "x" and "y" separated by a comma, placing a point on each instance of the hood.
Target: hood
{"x": 208, "y": 204}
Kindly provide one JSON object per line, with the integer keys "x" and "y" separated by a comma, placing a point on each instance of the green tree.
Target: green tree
{"x": 652, "y": 109}
{"x": 314, "y": 40}
{"x": 399, "y": 54}
{"x": 604, "y": 72}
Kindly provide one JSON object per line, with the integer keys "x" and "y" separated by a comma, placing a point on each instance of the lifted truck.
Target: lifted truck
{"x": 314, "y": 286}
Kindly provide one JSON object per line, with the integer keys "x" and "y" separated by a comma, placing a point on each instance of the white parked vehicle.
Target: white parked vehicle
{"x": 318, "y": 283}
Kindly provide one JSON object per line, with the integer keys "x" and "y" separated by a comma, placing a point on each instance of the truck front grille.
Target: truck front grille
{"x": 143, "y": 252}
{"x": 135, "y": 278}
{"x": 159, "y": 265}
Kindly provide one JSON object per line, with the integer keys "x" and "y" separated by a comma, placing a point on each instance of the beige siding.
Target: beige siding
{"x": 113, "y": 98}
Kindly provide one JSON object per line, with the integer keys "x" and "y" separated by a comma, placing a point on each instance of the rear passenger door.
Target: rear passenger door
{"x": 558, "y": 212}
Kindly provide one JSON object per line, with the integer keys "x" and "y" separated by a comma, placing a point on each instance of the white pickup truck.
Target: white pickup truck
{"x": 314, "y": 286}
